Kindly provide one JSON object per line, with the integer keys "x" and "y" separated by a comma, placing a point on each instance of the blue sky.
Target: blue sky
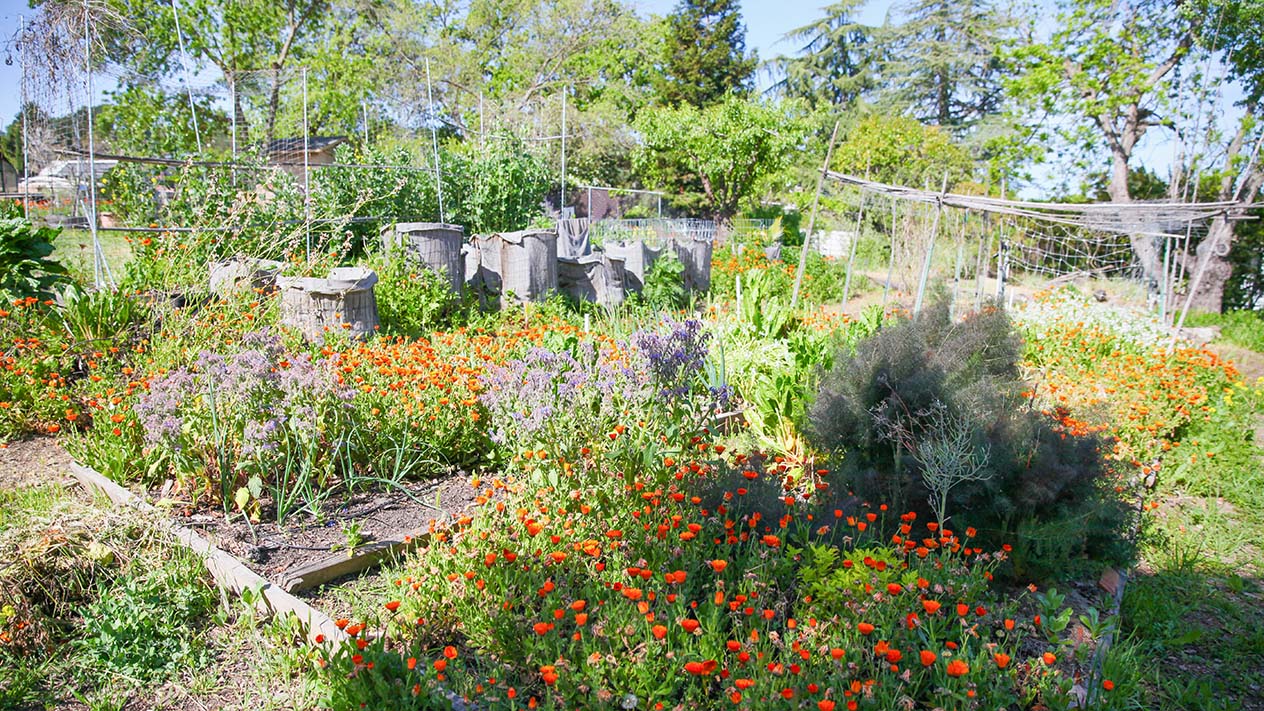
{"x": 766, "y": 23}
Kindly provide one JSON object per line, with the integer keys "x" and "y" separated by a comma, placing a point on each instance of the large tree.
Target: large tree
{"x": 834, "y": 63}
{"x": 943, "y": 61}
{"x": 1233, "y": 33}
{"x": 1105, "y": 79}
{"x": 724, "y": 151}
{"x": 705, "y": 56}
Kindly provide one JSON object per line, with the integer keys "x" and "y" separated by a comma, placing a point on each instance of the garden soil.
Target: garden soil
{"x": 273, "y": 551}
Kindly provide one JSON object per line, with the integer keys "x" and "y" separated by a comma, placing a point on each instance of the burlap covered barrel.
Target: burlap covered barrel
{"x": 243, "y": 273}
{"x": 595, "y": 277}
{"x": 522, "y": 263}
{"x": 433, "y": 245}
{"x": 342, "y": 302}
{"x": 637, "y": 257}
{"x": 695, "y": 255}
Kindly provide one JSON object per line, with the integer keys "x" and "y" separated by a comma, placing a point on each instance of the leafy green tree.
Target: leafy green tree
{"x": 1104, "y": 78}
{"x": 724, "y": 150}
{"x": 1228, "y": 255}
{"x": 901, "y": 151}
{"x": 834, "y": 64}
{"x": 705, "y": 55}
{"x": 944, "y": 61}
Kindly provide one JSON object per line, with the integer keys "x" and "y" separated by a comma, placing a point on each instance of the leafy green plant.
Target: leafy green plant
{"x": 25, "y": 265}
{"x": 665, "y": 283}
{"x": 143, "y": 626}
{"x": 413, "y": 301}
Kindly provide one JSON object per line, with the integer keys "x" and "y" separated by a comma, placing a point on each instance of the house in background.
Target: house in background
{"x": 288, "y": 152}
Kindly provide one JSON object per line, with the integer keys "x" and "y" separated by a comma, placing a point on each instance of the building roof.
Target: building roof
{"x": 296, "y": 145}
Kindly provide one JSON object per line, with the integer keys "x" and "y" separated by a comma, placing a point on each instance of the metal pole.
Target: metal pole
{"x": 956, "y": 284}
{"x": 886, "y": 286}
{"x": 184, "y": 71}
{"x": 930, "y": 250}
{"x": 851, "y": 257}
{"x": 26, "y": 125}
{"x": 307, "y": 193}
{"x": 434, "y": 140}
{"x": 980, "y": 270}
{"x": 91, "y": 207}
{"x": 561, "y": 196}
{"x": 1163, "y": 293}
{"x": 807, "y": 238}
{"x": 364, "y": 103}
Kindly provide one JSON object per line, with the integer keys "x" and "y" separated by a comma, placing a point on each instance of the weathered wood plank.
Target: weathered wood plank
{"x": 227, "y": 571}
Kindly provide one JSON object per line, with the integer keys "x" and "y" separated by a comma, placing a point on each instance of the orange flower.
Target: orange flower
{"x": 440, "y": 665}
{"x": 689, "y": 624}
{"x": 659, "y": 631}
{"x": 719, "y": 565}
{"x": 958, "y": 667}
{"x": 1108, "y": 685}
{"x": 392, "y": 606}
{"x": 1048, "y": 658}
{"x": 864, "y": 628}
{"x": 931, "y": 606}
{"x": 928, "y": 657}
{"x": 1002, "y": 660}
{"x": 700, "y": 668}
{"x": 449, "y": 652}
{"x": 825, "y": 705}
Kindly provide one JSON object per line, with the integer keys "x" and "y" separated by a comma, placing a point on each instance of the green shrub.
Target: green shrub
{"x": 413, "y": 301}
{"x": 25, "y": 266}
{"x": 925, "y": 397}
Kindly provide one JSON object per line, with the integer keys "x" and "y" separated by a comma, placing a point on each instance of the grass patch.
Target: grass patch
{"x": 99, "y": 611}
{"x": 73, "y": 248}
{"x": 1241, "y": 328}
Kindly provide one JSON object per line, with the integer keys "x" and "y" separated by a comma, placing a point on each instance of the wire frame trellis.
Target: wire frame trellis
{"x": 908, "y": 240}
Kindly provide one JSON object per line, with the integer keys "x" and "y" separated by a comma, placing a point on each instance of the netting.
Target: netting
{"x": 904, "y": 243}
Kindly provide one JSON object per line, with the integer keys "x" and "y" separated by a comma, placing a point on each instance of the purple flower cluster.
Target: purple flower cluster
{"x": 675, "y": 358}
{"x": 528, "y": 394}
{"x": 253, "y": 396}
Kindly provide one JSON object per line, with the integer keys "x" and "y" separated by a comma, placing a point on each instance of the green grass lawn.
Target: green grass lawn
{"x": 73, "y": 248}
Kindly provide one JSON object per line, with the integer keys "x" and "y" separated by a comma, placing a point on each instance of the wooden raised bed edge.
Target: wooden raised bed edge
{"x": 228, "y": 572}
{"x": 363, "y": 557}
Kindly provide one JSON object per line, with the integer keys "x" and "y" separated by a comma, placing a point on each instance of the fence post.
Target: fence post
{"x": 930, "y": 250}
{"x": 26, "y": 124}
{"x": 807, "y": 238}
{"x": 886, "y": 286}
{"x": 307, "y": 192}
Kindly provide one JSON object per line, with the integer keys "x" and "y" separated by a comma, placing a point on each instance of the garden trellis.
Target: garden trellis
{"x": 909, "y": 238}
{"x": 274, "y": 133}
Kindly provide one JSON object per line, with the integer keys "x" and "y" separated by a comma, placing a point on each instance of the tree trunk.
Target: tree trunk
{"x": 1149, "y": 255}
{"x": 1213, "y": 258}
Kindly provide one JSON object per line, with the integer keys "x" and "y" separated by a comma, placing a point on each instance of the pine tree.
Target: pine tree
{"x": 705, "y": 54}
{"x": 945, "y": 62}
{"x": 834, "y": 63}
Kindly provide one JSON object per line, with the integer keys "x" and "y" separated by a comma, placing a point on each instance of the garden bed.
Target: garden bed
{"x": 366, "y": 520}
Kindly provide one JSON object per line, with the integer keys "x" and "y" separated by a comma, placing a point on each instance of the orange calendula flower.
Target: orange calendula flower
{"x": 931, "y": 606}
{"x": 1001, "y": 659}
{"x": 928, "y": 657}
{"x": 958, "y": 667}
{"x": 392, "y": 606}
{"x": 864, "y": 628}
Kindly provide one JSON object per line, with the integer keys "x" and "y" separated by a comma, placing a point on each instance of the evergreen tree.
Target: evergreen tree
{"x": 705, "y": 54}
{"x": 834, "y": 63}
{"x": 944, "y": 61}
